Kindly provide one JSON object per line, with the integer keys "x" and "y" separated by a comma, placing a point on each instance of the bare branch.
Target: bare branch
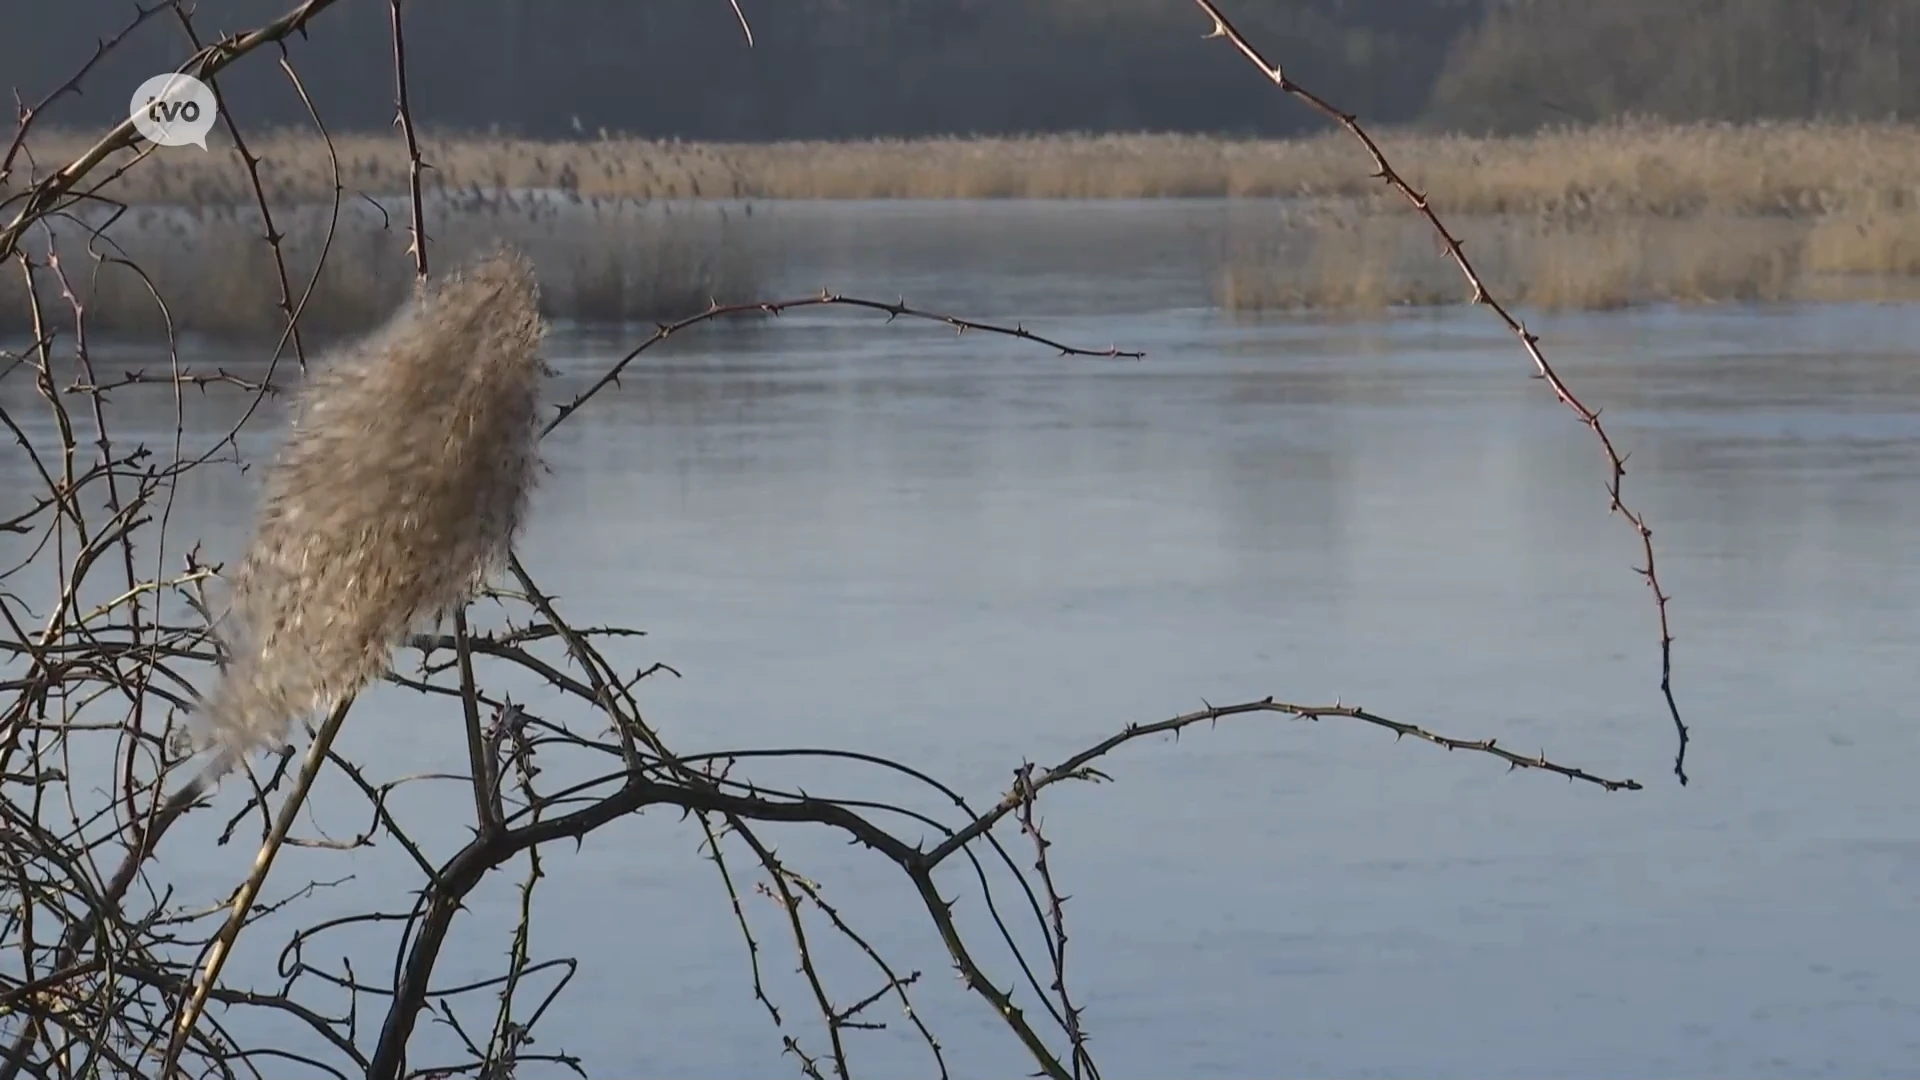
{"x": 1529, "y": 341}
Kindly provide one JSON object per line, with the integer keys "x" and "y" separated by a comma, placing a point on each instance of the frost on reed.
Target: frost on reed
{"x": 397, "y": 493}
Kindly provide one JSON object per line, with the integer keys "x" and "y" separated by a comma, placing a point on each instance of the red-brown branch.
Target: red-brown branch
{"x": 1616, "y": 464}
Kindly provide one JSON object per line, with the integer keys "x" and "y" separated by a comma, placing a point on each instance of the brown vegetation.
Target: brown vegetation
{"x": 609, "y": 263}
{"x": 1340, "y": 257}
{"x": 1793, "y": 168}
{"x": 1592, "y": 218}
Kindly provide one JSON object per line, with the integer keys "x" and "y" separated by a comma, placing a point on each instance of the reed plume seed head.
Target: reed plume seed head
{"x": 397, "y": 494}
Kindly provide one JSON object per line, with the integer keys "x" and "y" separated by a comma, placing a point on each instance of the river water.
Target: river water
{"x": 964, "y": 552}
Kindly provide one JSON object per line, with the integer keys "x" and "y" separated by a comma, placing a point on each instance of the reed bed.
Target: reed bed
{"x": 610, "y": 262}
{"x": 1342, "y": 256}
{"x": 630, "y": 229}
{"x": 1791, "y": 168}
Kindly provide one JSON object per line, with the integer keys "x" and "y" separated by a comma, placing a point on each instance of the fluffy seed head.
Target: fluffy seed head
{"x": 396, "y": 496}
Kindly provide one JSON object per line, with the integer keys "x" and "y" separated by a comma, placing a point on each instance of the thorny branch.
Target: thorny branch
{"x": 99, "y": 955}
{"x": 45, "y": 196}
{"x": 895, "y": 310}
{"x": 1384, "y": 171}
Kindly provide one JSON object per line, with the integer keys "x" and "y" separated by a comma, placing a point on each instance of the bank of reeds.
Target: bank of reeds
{"x": 627, "y": 229}
{"x": 1797, "y": 168}
{"x": 1343, "y": 256}
{"x": 613, "y": 262}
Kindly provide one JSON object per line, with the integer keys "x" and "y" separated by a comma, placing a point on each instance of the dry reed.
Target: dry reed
{"x": 1602, "y": 217}
{"x": 612, "y": 263}
{"x": 398, "y": 492}
{"x": 1793, "y": 168}
{"x": 1885, "y": 243}
{"x": 1348, "y": 257}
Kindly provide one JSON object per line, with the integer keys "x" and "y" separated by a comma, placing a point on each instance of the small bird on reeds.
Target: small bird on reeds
{"x": 395, "y": 497}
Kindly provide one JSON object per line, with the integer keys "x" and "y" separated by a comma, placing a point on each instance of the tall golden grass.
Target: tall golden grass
{"x": 1349, "y": 257}
{"x": 1792, "y": 168}
{"x": 607, "y": 263}
{"x": 1599, "y": 217}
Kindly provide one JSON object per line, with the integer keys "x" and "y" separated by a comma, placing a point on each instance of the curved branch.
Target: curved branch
{"x": 1384, "y": 171}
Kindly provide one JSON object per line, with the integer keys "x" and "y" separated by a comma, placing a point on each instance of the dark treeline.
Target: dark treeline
{"x": 1530, "y": 62}
{"x": 818, "y": 68}
{"x": 851, "y": 68}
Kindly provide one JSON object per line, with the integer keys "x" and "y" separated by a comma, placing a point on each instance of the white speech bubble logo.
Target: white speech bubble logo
{"x": 174, "y": 109}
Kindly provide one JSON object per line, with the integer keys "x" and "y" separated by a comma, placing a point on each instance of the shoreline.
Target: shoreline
{"x": 1595, "y": 219}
